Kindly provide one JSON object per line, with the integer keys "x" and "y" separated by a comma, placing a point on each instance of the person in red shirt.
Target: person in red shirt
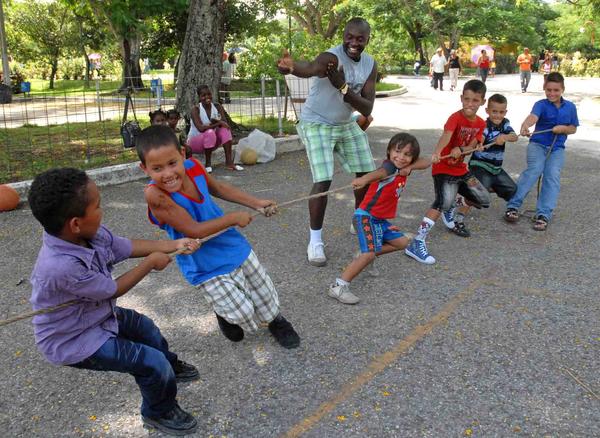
{"x": 463, "y": 133}
{"x": 376, "y": 236}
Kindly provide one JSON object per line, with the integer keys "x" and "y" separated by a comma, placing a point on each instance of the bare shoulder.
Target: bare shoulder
{"x": 157, "y": 199}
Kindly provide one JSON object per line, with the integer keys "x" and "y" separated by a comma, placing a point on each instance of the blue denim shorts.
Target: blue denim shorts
{"x": 372, "y": 233}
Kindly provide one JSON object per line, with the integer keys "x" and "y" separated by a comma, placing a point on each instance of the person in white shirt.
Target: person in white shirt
{"x": 437, "y": 66}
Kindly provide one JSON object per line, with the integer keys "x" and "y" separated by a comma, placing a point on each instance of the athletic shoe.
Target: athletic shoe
{"x": 185, "y": 372}
{"x": 316, "y": 254}
{"x": 418, "y": 251}
{"x": 341, "y": 292}
{"x": 448, "y": 218}
{"x": 175, "y": 422}
{"x": 233, "y": 332}
{"x": 284, "y": 333}
{"x": 352, "y": 229}
{"x": 208, "y": 169}
{"x": 460, "y": 230}
{"x": 370, "y": 269}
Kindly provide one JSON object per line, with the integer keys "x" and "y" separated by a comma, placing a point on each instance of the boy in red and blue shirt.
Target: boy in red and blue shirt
{"x": 376, "y": 235}
{"x": 462, "y": 132}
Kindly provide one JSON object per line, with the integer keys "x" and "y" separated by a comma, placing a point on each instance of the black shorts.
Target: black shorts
{"x": 502, "y": 184}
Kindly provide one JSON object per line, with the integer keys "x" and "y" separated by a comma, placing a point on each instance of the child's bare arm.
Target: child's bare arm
{"x": 156, "y": 260}
{"x": 421, "y": 164}
{"x": 376, "y": 175}
{"x": 564, "y": 129}
{"x": 441, "y": 144}
{"x": 165, "y": 210}
{"x": 142, "y": 248}
{"x": 230, "y": 193}
{"x": 529, "y": 121}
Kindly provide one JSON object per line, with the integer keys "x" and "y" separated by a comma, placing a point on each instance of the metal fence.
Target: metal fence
{"x": 82, "y": 129}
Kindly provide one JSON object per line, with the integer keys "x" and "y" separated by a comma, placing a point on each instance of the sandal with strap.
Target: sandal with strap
{"x": 511, "y": 215}
{"x": 541, "y": 223}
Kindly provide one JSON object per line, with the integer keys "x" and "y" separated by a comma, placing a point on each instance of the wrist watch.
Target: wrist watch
{"x": 344, "y": 89}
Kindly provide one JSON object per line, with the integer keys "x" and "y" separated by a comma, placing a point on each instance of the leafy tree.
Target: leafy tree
{"x": 128, "y": 21}
{"x": 41, "y": 30}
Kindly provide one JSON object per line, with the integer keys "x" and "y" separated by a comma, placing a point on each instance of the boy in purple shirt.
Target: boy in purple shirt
{"x": 75, "y": 263}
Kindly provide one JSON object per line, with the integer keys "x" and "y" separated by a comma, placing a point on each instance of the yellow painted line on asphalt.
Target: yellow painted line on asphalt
{"x": 381, "y": 362}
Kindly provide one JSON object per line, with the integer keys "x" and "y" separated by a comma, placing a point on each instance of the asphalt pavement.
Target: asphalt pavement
{"x": 500, "y": 338}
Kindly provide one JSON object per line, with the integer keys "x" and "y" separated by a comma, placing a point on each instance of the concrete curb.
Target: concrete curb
{"x": 122, "y": 173}
{"x": 390, "y": 93}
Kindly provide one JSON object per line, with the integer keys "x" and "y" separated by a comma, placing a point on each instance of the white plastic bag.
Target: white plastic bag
{"x": 262, "y": 143}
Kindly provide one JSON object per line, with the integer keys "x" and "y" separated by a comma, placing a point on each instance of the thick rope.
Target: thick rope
{"x": 259, "y": 212}
{"x": 267, "y": 211}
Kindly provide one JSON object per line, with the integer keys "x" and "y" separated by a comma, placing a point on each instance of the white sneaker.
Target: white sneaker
{"x": 352, "y": 229}
{"x": 316, "y": 254}
{"x": 208, "y": 169}
{"x": 370, "y": 269}
{"x": 342, "y": 294}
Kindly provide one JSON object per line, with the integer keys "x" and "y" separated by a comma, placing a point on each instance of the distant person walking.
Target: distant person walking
{"x": 483, "y": 62}
{"x": 453, "y": 69}
{"x": 524, "y": 60}
{"x": 437, "y": 65}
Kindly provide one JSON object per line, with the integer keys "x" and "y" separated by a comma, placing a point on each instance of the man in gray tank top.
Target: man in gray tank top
{"x": 344, "y": 81}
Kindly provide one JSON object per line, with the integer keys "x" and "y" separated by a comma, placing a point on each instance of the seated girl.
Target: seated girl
{"x": 208, "y": 130}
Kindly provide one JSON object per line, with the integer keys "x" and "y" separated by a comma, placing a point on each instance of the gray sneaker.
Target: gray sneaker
{"x": 342, "y": 294}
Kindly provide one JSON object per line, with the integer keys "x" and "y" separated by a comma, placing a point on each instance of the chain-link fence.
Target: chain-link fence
{"x": 82, "y": 129}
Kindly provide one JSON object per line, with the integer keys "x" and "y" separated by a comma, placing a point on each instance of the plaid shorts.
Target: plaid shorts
{"x": 348, "y": 141}
{"x": 245, "y": 296}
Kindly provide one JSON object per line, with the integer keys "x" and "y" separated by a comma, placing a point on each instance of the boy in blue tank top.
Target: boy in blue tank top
{"x": 224, "y": 269}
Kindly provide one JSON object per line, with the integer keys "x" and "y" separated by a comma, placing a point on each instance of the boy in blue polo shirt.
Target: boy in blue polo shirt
{"x": 545, "y": 152}
{"x": 75, "y": 263}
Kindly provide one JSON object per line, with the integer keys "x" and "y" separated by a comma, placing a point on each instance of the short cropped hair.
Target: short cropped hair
{"x": 398, "y": 141}
{"x": 497, "y": 98}
{"x": 476, "y": 86}
{"x": 201, "y": 87}
{"x": 154, "y": 137}
{"x": 58, "y": 195}
{"x": 555, "y": 77}
{"x": 358, "y": 22}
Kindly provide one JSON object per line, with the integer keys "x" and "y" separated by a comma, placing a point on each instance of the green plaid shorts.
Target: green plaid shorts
{"x": 348, "y": 141}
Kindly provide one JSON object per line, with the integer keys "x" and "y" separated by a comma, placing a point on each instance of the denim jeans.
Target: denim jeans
{"x": 525, "y": 78}
{"x": 142, "y": 351}
{"x": 538, "y": 164}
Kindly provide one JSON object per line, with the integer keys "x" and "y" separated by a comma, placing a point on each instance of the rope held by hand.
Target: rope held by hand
{"x": 485, "y": 146}
{"x": 259, "y": 212}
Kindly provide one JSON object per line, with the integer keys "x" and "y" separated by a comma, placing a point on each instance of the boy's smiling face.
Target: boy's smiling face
{"x": 554, "y": 91}
{"x": 471, "y": 102}
{"x": 165, "y": 166}
{"x": 496, "y": 111}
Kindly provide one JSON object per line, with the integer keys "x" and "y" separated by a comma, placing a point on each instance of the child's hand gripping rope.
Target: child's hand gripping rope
{"x": 485, "y": 146}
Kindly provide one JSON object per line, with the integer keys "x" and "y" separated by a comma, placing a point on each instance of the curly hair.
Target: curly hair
{"x": 154, "y": 137}
{"x": 58, "y": 195}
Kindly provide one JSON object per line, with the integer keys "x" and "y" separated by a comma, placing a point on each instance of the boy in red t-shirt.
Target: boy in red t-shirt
{"x": 376, "y": 236}
{"x": 462, "y": 132}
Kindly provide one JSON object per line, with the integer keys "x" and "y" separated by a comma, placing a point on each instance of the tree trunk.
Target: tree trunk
{"x": 200, "y": 59}
{"x": 132, "y": 72}
{"x": 54, "y": 68}
{"x": 87, "y": 68}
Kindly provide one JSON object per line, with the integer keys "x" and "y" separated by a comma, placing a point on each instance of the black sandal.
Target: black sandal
{"x": 511, "y": 215}
{"x": 540, "y": 224}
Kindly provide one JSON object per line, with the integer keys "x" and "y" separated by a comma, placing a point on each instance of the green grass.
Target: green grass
{"x": 30, "y": 149}
{"x": 384, "y": 86}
